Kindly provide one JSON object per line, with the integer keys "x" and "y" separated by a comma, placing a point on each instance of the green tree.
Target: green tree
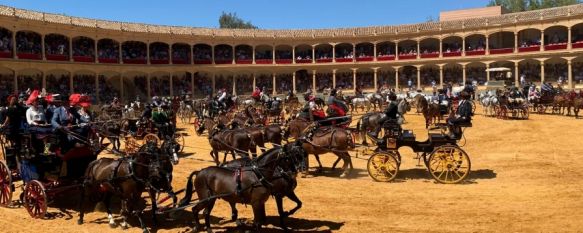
{"x": 523, "y": 5}
{"x": 231, "y": 20}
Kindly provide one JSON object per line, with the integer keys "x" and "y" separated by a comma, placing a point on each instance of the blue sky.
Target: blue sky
{"x": 267, "y": 14}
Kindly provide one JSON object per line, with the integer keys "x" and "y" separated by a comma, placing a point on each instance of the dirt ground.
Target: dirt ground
{"x": 526, "y": 177}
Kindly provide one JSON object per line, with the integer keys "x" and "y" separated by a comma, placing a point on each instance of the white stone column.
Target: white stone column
{"x": 376, "y": 78}
{"x": 397, "y": 78}
{"x": 418, "y": 76}
{"x": 354, "y": 79}
{"x": 43, "y": 47}
{"x": 294, "y": 82}
{"x": 516, "y": 73}
{"x": 570, "y": 74}
{"x": 334, "y": 78}
{"x": 274, "y": 91}
{"x": 375, "y": 55}
{"x": 333, "y": 53}
{"x": 313, "y": 54}
{"x": 569, "y": 38}
{"x": 234, "y": 85}
{"x": 294, "y": 56}
{"x": 314, "y": 81}
{"x": 233, "y": 55}
{"x": 441, "y": 75}
{"x": 463, "y": 46}
{"x": 397, "y": 51}
{"x": 487, "y": 72}
{"x": 487, "y": 45}
{"x": 440, "y": 47}
{"x": 515, "y": 42}
{"x": 71, "y": 50}
{"x": 253, "y": 55}
{"x": 542, "y": 40}
{"x": 542, "y": 72}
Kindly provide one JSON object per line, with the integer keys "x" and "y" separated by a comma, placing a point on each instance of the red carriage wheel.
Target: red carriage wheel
{"x": 5, "y": 185}
{"x": 35, "y": 199}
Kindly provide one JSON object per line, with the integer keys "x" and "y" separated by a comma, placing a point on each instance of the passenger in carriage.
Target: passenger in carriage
{"x": 256, "y": 94}
{"x": 61, "y": 121}
{"x": 463, "y": 115}
{"x": 13, "y": 123}
{"x": 82, "y": 114}
{"x": 161, "y": 119}
{"x": 311, "y": 111}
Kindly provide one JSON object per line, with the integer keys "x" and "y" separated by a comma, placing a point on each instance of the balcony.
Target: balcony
{"x": 283, "y": 61}
{"x": 344, "y": 59}
{"x": 476, "y": 53}
{"x": 304, "y": 61}
{"x": 501, "y": 51}
{"x": 452, "y": 54}
{"x": 407, "y": 56}
{"x": 180, "y": 61}
{"x": 430, "y": 55}
{"x": 57, "y": 57}
{"x": 323, "y": 60}
{"x": 87, "y": 59}
{"x": 244, "y": 61}
{"x": 263, "y": 61}
{"x": 134, "y": 61}
{"x": 108, "y": 60}
{"x": 532, "y": 48}
{"x": 203, "y": 61}
{"x": 223, "y": 62}
{"x": 578, "y": 44}
{"x": 31, "y": 56}
{"x": 159, "y": 61}
{"x": 5, "y": 54}
{"x": 365, "y": 59}
{"x": 558, "y": 46}
{"x": 386, "y": 57}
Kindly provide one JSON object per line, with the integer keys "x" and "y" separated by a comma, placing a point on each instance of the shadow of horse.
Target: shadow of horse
{"x": 423, "y": 174}
{"x": 335, "y": 173}
{"x": 297, "y": 225}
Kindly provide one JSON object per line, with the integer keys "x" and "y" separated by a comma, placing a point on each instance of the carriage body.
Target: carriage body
{"x": 446, "y": 162}
{"x": 43, "y": 174}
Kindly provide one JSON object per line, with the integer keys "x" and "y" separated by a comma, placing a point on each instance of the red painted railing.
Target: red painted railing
{"x": 108, "y": 60}
{"x": 556, "y": 46}
{"x": 283, "y": 61}
{"x": 501, "y": 51}
{"x": 430, "y": 55}
{"x": 452, "y": 54}
{"x": 83, "y": 59}
{"x": 529, "y": 49}
{"x": 32, "y": 56}
{"x": 57, "y": 57}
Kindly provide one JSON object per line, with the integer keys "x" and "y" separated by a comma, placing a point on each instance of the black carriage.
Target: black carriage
{"x": 445, "y": 160}
{"x": 43, "y": 172}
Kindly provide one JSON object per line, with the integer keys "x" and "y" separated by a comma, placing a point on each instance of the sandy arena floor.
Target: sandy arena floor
{"x": 526, "y": 177}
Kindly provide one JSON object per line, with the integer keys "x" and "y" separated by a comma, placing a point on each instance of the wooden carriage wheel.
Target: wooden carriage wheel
{"x": 131, "y": 145}
{"x": 449, "y": 164}
{"x": 541, "y": 109}
{"x": 180, "y": 140}
{"x": 152, "y": 137}
{"x": 5, "y": 185}
{"x": 383, "y": 166}
{"x": 35, "y": 199}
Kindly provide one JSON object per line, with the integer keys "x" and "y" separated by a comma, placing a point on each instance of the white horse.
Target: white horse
{"x": 375, "y": 99}
{"x": 360, "y": 102}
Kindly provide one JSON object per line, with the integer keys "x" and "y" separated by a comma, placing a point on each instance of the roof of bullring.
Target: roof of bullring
{"x": 473, "y": 23}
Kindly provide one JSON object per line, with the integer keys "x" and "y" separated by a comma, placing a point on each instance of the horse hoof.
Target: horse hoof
{"x": 79, "y": 222}
{"x": 344, "y": 175}
{"x": 112, "y": 225}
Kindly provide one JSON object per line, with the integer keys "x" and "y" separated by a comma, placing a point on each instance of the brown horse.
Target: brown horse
{"x": 323, "y": 140}
{"x": 250, "y": 184}
{"x": 127, "y": 178}
{"x": 227, "y": 140}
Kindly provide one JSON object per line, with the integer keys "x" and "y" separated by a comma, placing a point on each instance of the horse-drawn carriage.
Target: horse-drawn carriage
{"x": 47, "y": 173}
{"x": 445, "y": 160}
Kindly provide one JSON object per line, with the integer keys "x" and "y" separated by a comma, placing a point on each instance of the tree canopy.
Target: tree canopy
{"x": 525, "y": 5}
{"x": 231, "y": 20}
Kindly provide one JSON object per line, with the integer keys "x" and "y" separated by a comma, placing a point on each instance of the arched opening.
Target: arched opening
{"x": 160, "y": 84}
{"x": 265, "y": 82}
{"x": 5, "y": 43}
{"x": 134, "y": 52}
{"x": 529, "y": 40}
{"x": 577, "y": 36}
{"x": 453, "y": 74}
{"x": 203, "y": 84}
{"x": 223, "y": 54}
{"x": 303, "y": 81}
{"x": 323, "y": 80}
{"x": 529, "y": 71}
{"x": 244, "y": 83}
{"x": 408, "y": 78}
{"x": 263, "y": 54}
{"x": 476, "y": 73}
{"x": 577, "y": 66}
{"x": 243, "y": 54}
{"x": 224, "y": 82}
{"x": 135, "y": 85}
{"x": 556, "y": 38}
{"x": 429, "y": 48}
{"x": 475, "y": 45}
{"x": 83, "y": 49}
{"x": 304, "y": 54}
{"x": 365, "y": 51}
{"x": 501, "y": 42}
{"x": 159, "y": 53}
{"x": 29, "y": 79}
{"x": 506, "y": 76}
{"x": 181, "y": 84}
{"x": 283, "y": 54}
{"x": 57, "y": 47}
{"x": 345, "y": 79}
{"x": 28, "y": 45}
{"x": 202, "y": 54}
{"x": 365, "y": 79}
{"x": 6, "y": 84}
{"x": 429, "y": 76}
{"x": 108, "y": 51}
{"x": 181, "y": 54}
{"x": 109, "y": 87}
{"x": 323, "y": 53}
{"x": 556, "y": 71}
{"x": 386, "y": 78}
{"x": 452, "y": 46}
{"x": 283, "y": 83}
{"x": 386, "y": 51}
{"x": 407, "y": 50}
{"x": 58, "y": 82}
{"x": 344, "y": 52}
{"x": 84, "y": 83}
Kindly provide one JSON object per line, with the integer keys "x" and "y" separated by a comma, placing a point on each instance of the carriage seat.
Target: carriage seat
{"x": 408, "y": 135}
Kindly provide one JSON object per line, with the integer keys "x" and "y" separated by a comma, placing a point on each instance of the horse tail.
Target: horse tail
{"x": 189, "y": 190}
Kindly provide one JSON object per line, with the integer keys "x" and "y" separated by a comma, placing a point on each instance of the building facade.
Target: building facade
{"x": 107, "y": 59}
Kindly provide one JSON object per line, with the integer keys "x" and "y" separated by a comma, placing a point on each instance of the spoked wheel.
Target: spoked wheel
{"x": 383, "y": 166}
{"x": 131, "y": 145}
{"x": 541, "y": 109}
{"x": 152, "y": 137}
{"x": 5, "y": 185}
{"x": 197, "y": 123}
{"x": 449, "y": 164}
{"x": 179, "y": 139}
{"x": 35, "y": 199}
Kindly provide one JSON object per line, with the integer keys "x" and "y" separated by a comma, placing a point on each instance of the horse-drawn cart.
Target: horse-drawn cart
{"x": 445, "y": 160}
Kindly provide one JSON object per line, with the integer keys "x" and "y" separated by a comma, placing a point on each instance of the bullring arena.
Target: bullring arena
{"x": 524, "y": 177}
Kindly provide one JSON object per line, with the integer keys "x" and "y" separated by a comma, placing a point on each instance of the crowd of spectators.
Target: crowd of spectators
{"x": 429, "y": 50}
{"x": 304, "y": 55}
{"x": 160, "y": 85}
{"x": 202, "y": 53}
{"x": 303, "y": 81}
{"x": 58, "y": 84}
{"x": 556, "y": 39}
{"x": 323, "y": 54}
{"x": 33, "y": 81}
{"x": 140, "y": 86}
{"x": 182, "y": 85}
{"x": 107, "y": 90}
{"x": 108, "y": 49}
{"x": 244, "y": 84}
{"x": 429, "y": 76}
{"x": 159, "y": 51}
{"x": 5, "y": 41}
{"x": 411, "y": 50}
{"x": 451, "y": 47}
{"x": 6, "y": 85}
{"x": 28, "y": 42}
{"x": 180, "y": 52}
{"x": 365, "y": 80}
{"x": 364, "y": 51}
{"x": 344, "y": 53}
{"x": 284, "y": 83}
{"x": 202, "y": 84}
{"x": 223, "y": 53}
{"x": 224, "y": 82}
{"x": 478, "y": 45}
{"x": 385, "y": 50}
{"x": 83, "y": 47}
{"x": 265, "y": 82}
{"x": 386, "y": 78}
{"x": 323, "y": 81}
{"x": 556, "y": 72}
{"x": 266, "y": 54}
{"x": 530, "y": 71}
{"x": 453, "y": 74}
{"x": 344, "y": 80}
{"x": 134, "y": 50}
{"x": 529, "y": 42}
{"x": 85, "y": 84}
{"x": 243, "y": 53}
{"x": 477, "y": 73}
{"x": 577, "y": 71}
{"x": 56, "y": 44}
{"x": 283, "y": 54}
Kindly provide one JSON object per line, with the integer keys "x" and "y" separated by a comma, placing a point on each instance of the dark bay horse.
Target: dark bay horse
{"x": 230, "y": 140}
{"x": 241, "y": 184}
{"x": 150, "y": 169}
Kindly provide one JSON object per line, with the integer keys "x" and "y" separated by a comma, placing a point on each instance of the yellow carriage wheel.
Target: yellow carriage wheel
{"x": 449, "y": 164}
{"x": 383, "y": 166}
{"x": 131, "y": 145}
{"x": 152, "y": 137}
